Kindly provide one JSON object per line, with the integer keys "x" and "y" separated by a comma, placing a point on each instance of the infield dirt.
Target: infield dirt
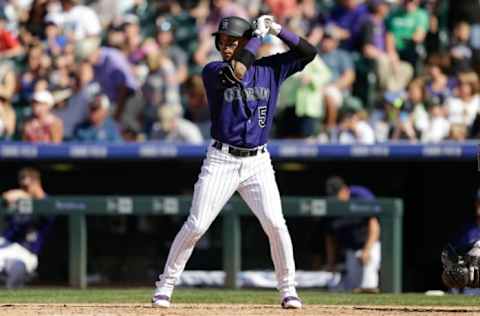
{"x": 225, "y": 310}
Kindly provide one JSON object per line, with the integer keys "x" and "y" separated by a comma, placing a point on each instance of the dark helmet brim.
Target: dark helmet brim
{"x": 229, "y": 33}
{"x": 234, "y": 26}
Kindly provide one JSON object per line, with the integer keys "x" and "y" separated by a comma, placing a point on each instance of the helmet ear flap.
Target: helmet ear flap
{"x": 217, "y": 46}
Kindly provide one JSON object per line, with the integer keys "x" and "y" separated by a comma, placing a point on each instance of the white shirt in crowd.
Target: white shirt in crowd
{"x": 437, "y": 130}
{"x": 81, "y": 21}
{"x": 462, "y": 112}
{"x": 363, "y": 134}
{"x": 185, "y": 132}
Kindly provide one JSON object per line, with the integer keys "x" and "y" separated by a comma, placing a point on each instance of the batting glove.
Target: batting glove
{"x": 266, "y": 24}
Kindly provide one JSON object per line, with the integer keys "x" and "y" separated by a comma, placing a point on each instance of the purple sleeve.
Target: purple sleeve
{"x": 210, "y": 74}
{"x": 253, "y": 45}
{"x": 124, "y": 74}
{"x": 211, "y": 81}
{"x": 359, "y": 192}
{"x": 289, "y": 38}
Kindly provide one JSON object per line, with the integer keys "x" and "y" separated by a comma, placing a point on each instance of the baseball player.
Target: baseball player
{"x": 242, "y": 95}
{"x": 461, "y": 257}
{"x": 24, "y": 235}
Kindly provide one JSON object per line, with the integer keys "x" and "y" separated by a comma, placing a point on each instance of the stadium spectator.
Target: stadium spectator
{"x": 469, "y": 11}
{"x": 99, "y": 126}
{"x": 438, "y": 83}
{"x": 353, "y": 127}
{"x": 345, "y": 18}
{"x": 54, "y": 41}
{"x": 301, "y": 97}
{"x": 8, "y": 80}
{"x": 134, "y": 46}
{"x": 24, "y": 235}
{"x": 358, "y": 236}
{"x": 407, "y": 27}
{"x": 171, "y": 127}
{"x": 161, "y": 86}
{"x": 393, "y": 74}
{"x": 342, "y": 72}
{"x": 197, "y": 105}
{"x": 463, "y": 108}
{"x": 438, "y": 127}
{"x": 461, "y": 52}
{"x": 311, "y": 18}
{"x": 75, "y": 109}
{"x": 115, "y": 37}
{"x": 7, "y": 118}
{"x": 165, "y": 41}
{"x": 413, "y": 117}
{"x": 43, "y": 126}
{"x": 36, "y": 69}
{"x": 385, "y": 115}
{"x": 112, "y": 71}
{"x": 9, "y": 45}
{"x": 35, "y": 23}
{"x": 78, "y": 21}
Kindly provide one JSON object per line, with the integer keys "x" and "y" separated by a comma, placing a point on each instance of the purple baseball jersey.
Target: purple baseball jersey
{"x": 231, "y": 124}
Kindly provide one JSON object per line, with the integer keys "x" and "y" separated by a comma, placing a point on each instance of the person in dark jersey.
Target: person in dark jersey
{"x": 24, "y": 235}
{"x": 358, "y": 235}
{"x": 242, "y": 95}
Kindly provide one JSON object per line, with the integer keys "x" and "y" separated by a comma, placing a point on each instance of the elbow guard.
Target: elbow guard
{"x": 245, "y": 57}
{"x": 306, "y": 49}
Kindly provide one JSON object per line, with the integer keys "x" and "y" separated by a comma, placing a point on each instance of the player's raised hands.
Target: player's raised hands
{"x": 266, "y": 24}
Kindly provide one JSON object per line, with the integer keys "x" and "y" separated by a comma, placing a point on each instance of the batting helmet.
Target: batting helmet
{"x": 233, "y": 26}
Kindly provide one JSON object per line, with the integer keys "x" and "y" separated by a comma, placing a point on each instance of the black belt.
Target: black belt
{"x": 238, "y": 152}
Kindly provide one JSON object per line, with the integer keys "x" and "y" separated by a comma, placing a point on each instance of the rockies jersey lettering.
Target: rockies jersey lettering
{"x": 251, "y": 94}
{"x": 260, "y": 86}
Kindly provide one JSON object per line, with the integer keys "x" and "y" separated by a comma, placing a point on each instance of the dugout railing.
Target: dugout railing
{"x": 389, "y": 211}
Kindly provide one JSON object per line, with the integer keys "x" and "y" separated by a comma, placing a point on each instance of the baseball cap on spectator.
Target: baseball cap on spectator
{"x": 164, "y": 24}
{"x": 333, "y": 185}
{"x": 43, "y": 97}
{"x": 86, "y": 47}
{"x": 330, "y": 32}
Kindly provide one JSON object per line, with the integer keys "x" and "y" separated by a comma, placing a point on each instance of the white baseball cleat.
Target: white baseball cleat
{"x": 161, "y": 301}
{"x": 291, "y": 302}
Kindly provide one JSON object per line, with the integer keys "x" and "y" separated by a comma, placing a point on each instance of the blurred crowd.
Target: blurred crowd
{"x": 130, "y": 70}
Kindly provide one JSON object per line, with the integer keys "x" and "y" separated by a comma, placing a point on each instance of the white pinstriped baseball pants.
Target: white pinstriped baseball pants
{"x": 221, "y": 175}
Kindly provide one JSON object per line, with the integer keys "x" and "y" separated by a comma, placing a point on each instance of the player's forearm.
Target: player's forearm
{"x": 245, "y": 58}
{"x": 298, "y": 44}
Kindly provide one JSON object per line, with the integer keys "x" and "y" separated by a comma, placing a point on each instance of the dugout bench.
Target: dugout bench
{"x": 389, "y": 212}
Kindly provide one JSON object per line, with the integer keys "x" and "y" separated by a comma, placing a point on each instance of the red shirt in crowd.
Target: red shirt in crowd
{"x": 7, "y": 41}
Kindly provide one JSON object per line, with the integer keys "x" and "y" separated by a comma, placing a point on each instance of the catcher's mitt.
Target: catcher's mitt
{"x": 460, "y": 271}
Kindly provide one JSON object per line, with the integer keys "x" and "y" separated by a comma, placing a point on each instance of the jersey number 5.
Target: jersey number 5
{"x": 262, "y": 116}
